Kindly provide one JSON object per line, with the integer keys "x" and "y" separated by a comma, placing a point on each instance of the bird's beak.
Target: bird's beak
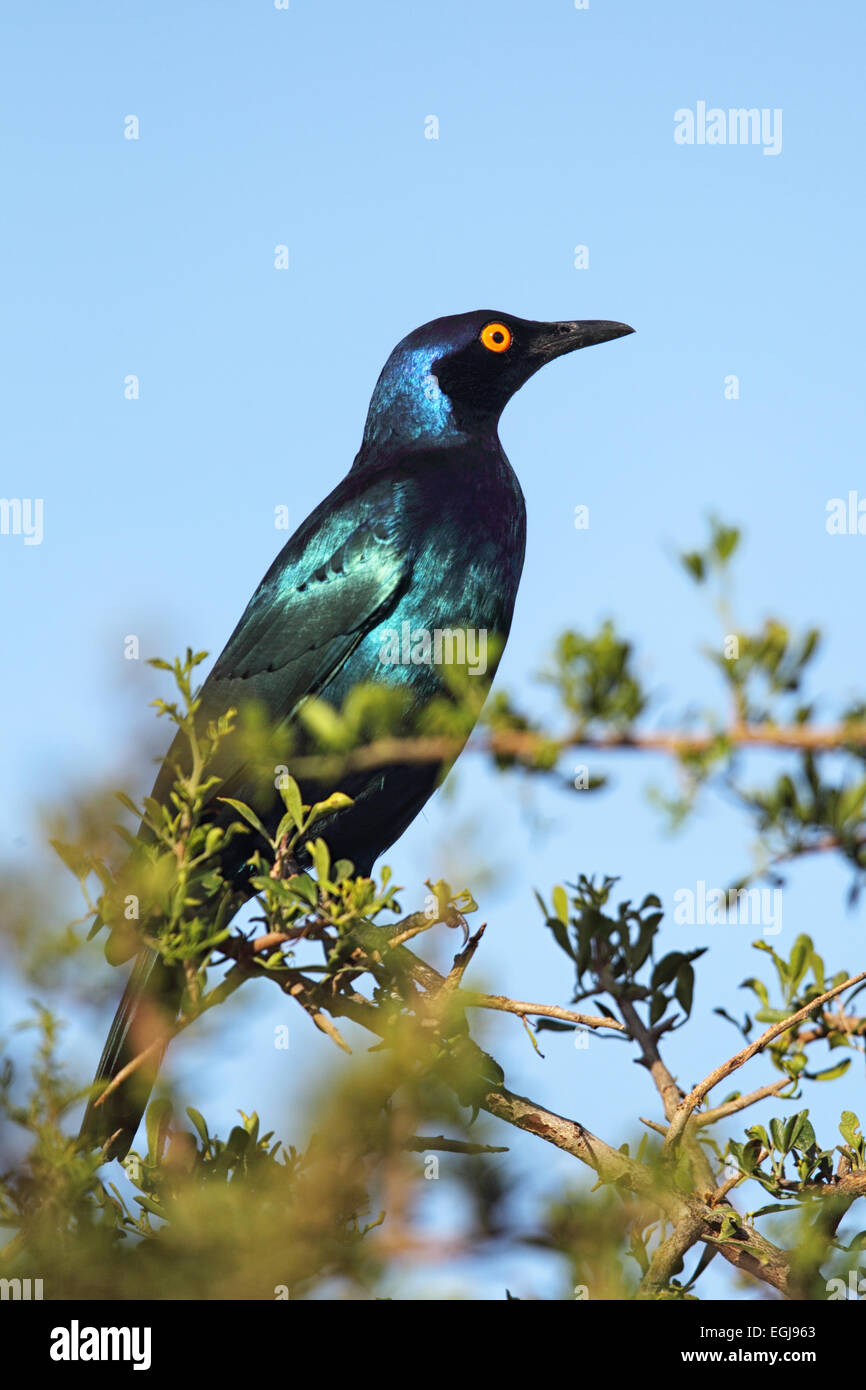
{"x": 554, "y": 339}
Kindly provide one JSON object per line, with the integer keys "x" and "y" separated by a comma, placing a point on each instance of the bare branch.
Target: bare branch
{"x": 518, "y": 1006}
{"x": 421, "y": 1143}
{"x": 681, "y": 1118}
{"x": 527, "y": 743}
{"x": 730, "y": 1107}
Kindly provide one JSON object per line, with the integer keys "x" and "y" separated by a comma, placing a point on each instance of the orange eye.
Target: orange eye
{"x": 496, "y": 337}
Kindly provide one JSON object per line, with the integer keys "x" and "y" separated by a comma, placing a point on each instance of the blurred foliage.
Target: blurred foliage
{"x": 349, "y": 1209}
{"x": 244, "y": 1216}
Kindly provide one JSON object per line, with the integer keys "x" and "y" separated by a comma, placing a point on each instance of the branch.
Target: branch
{"x": 693, "y": 1217}
{"x": 668, "y": 1258}
{"x": 647, "y": 1039}
{"x": 517, "y": 1006}
{"x": 730, "y": 1107}
{"x": 528, "y": 743}
{"x": 746, "y": 1248}
{"x": 681, "y": 1118}
{"x": 421, "y": 1143}
{"x": 379, "y": 941}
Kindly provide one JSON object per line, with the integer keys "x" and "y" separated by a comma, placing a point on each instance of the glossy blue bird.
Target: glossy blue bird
{"x": 423, "y": 539}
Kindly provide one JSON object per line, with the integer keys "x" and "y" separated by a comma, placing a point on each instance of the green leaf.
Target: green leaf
{"x": 792, "y": 1124}
{"x": 760, "y": 1136}
{"x": 729, "y": 1227}
{"x": 128, "y": 803}
{"x": 560, "y": 904}
{"x": 640, "y": 950}
{"x": 694, "y": 563}
{"x": 305, "y": 888}
{"x": 830, "y": 1073}
{"x": 666, "y": 969}
{"x": 73, "y": 858}
{"x": 725, "y": 541}
{"x": 286, "y": 825}
{"x": 238, "y": 1141}
{"x": 685, "y": 987}
{"x": 560, "y": 936}
{"x": 657, "y": 1007}
{"x": 213, "y": 838}
{"x": 157, "y": 1120}
{"x": 849, "y": 1126}
{"x": 337, "y": 801}
{"x": 748, "y": 1156}
{"x": 851, "y": 803}
{"x": 795, "y": 1063}
{"x": 248, "y": 814}
{"x": 604, "y": 1008}
{"x": 804, "y": 1135}
{"x": 651, "y": 900}
{"x": 771, "y": 1015}
{"x": 799, "y": 960}
{"x": 96, "y": 928}
{"x": 153, "y": 1207}
{"x": 292, "y": 801}
{"x": 321, "y": 857}
{"x": 758, "y": 987}
{"x": 199, "y": 1122}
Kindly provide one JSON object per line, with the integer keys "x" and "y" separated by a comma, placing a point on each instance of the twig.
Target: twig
{"x": 462, "y": 960}
{"x": 298, "y": 991}
{"x": 526, "y": 743}
{"x": 727, "y": 1186}
{"x": 517, "y": 1006}
{"x": 409, "y": 933}
{"x": 695, "y": 1096}
{"x": 653, "y": 1124}
{"x": 730, "y": 1107}
{"x": 421, "y": 1143}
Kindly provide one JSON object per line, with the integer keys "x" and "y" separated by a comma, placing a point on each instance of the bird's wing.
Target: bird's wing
{"x": 330, "y": 585}
{"x": 309, "y": 612}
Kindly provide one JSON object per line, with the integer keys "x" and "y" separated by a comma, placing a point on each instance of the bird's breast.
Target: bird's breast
{"x": 469, "y": 532}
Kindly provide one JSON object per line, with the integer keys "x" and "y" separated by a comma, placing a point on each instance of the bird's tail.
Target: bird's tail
{"x": 148, "y": 1008}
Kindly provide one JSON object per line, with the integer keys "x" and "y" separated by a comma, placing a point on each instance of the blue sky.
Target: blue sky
{"x": 306, "y": 128}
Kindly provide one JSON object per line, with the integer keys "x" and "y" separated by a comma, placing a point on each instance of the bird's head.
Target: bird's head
{"x": 451, "y": 378}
